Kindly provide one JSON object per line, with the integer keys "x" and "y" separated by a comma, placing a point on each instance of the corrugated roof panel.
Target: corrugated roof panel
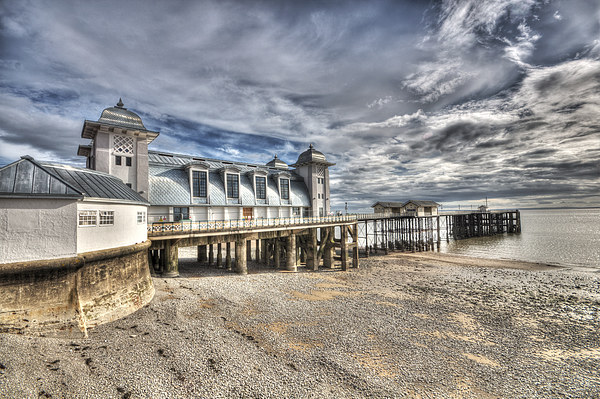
{"x": 41, "y": 181}
{"x": 7, "y": 178}
{"x": 24, "y": 178}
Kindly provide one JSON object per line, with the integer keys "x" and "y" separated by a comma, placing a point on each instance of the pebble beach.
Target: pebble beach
{"x": 423, "y": 325}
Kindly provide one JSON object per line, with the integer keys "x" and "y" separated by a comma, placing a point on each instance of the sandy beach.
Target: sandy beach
{"x": 403, "y": 325}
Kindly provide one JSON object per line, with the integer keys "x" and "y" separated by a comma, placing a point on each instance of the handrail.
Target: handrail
{"x": 233, "y": 224}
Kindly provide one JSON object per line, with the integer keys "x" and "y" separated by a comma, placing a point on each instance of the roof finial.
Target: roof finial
{"x": 311, "y": 146}
{"x": 120, "y": 103}
{"x": 275, "y": 156}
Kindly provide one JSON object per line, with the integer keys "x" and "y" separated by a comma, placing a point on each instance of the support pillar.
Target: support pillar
{"x": 343, "y": 242}
{"x": 171, "y": 260}
{"x": 355, "y": 247}
{"x": 257, "y": 251}
{"x": 327, "y": 247}
{"x": 211, "y": 255}
{"x": 240, "y": 260}
{"x": 312, "y": 261}
{"x": 263, "y": 250}
{"x": 162, "y": 260}
{"x": 249, "y": 250}
{"x": 228, "y": 256}
{"x": 219, "y": 256}
{"x": 290, "y": 248}
{"x": 277, "y": 254}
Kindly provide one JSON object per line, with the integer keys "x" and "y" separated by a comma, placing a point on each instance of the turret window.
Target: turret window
{"x": 123, "y": 144}
{"x": 261, "y": 187}
{"x": 128, "y": 161}
{"x": 199, "y": 184}
{"x": 285, "y": 188}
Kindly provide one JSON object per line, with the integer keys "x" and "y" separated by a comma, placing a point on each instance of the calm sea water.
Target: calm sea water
{"x": 568, "y": 237}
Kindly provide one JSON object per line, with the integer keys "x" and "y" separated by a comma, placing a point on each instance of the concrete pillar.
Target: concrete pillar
{"x": 257, "y": 251}
{"x": 240, "y": 260}
{"x": 171, "y": 260}
{"x": 312, "y": 260}
{"x": 344, "y": 247}
{"x": 263, "y": 247}
{"x": 328, "y": 251}
{"x": 249, "y": 250}
{"x": 228, "y": 256}
{"x": 219, "y": 255}
{"x": 211, "y": 255}
{"x": 202, "y": 254}
{"x": 290, "y": 248}
{"x": 277, "y": 254}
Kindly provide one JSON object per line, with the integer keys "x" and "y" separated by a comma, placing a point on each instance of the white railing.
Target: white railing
{"x": 236, "y": 224}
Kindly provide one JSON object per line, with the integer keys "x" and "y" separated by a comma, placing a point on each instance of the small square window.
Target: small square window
{"x": 118, "y": 160}
{"x": 141, "y": 217}
{"x": 128, "y": 161}
{"x": 88, "y": 218}
{"x": 107, "y": 218}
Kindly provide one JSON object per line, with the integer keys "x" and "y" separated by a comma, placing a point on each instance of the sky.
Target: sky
{"x": 452, "y": 101}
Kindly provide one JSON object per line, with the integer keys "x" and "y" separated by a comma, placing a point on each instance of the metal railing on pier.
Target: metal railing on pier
{"x": 236, "y": 224}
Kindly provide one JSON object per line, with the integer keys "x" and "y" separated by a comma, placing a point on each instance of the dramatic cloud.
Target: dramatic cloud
{"x": 452, "y": 101}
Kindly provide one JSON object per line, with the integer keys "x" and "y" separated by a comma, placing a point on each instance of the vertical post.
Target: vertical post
{"x": 263, "y": 249}
{"x": 240, "y": 260}
{"x": 257, "y": 251}
{"x": 313, "y": 256}
{"x": 228, "y": 256}
{"x": 249, "y": 250}
{"x": 366, "y": 238}
{"x": 171, "y": 260}
{"x": 277, "y": 254}
{"x": 211, "y": 254}
{"x": 328, "y": 248}
{"x": 343, "y": 242}
{"x": 162, "y": 260}
{"x": 219, "y": 255}
{"x": 355, "y": 247}
{"x": 290, "y": 263}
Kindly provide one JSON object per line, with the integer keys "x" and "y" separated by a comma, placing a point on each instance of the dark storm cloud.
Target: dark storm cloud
{"x": 450, "y": 100}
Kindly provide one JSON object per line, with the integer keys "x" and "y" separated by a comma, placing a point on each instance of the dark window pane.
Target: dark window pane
{"x": 128, "y": 161}
{"x": 181, "y": 214}
{"x": 199, "y": 183}
{"x": 285, "y": 188}
{"x": 117, "y": 160}
{"x": 261, "y": 187}
{"x": 233, "y": 185}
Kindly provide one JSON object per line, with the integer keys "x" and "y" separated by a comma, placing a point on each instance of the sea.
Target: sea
{"x": 562, "y": 237}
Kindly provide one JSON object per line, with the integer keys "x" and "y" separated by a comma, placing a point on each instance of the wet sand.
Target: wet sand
{"x": 404, "y": 325}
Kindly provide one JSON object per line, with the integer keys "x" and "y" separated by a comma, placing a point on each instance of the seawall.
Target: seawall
{"x": 69, "y": 295}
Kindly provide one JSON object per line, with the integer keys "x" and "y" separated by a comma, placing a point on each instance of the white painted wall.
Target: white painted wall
{"x": 125, "y": 231}
{"x": 156, "y": 212}
{"x": 34, "y": 229}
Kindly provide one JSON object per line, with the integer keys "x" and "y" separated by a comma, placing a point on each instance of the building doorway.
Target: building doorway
{"x": 248, "y": 213}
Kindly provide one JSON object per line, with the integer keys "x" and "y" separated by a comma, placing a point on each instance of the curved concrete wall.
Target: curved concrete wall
{"x": 69, "y": 295}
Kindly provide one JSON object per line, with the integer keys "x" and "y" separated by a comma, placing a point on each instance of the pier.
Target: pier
{"x": 289, "y": 242}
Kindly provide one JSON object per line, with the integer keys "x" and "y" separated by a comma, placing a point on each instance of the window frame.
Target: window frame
{"x": 237, "y": 189}
{"x": 89, "y": 213}
{"x": 143, "y": 217}
{"x": 118, "y": 160}
{"x": 281, "y": 188}
{"x": 128, "y": 161}
{"x": 199, "y": 173}
{"x": 109, "y": 218}
{"x": 264, "y": 192}
{"x": 187, "y": 213}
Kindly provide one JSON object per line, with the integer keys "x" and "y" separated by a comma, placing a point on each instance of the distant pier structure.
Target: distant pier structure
{"x": 385, "y": 232}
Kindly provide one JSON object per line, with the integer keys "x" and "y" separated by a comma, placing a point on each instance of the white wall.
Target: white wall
{"x": 124, "y": 231}
{"x": 156, "y": 212}
{"x": 34, "y": 229}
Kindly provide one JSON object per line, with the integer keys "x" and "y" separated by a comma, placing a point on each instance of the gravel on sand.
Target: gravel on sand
{"x": 403, "y": 325}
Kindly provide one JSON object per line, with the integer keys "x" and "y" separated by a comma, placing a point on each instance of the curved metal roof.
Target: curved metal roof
{"x": 312, "y": 155}
{"x": 118, "y": 115}
{"x": 277, "y": 163}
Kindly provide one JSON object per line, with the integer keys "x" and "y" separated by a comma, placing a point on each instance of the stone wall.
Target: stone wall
{"x": 70, "y": 295}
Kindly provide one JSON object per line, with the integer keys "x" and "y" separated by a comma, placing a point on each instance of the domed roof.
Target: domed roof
{"x": 119, "y": 115}
{"x": 312, "y": 155}
{"x": 277, "y": 163}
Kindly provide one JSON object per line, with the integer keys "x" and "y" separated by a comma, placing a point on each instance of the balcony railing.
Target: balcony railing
{"x": 236, "y": 224}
